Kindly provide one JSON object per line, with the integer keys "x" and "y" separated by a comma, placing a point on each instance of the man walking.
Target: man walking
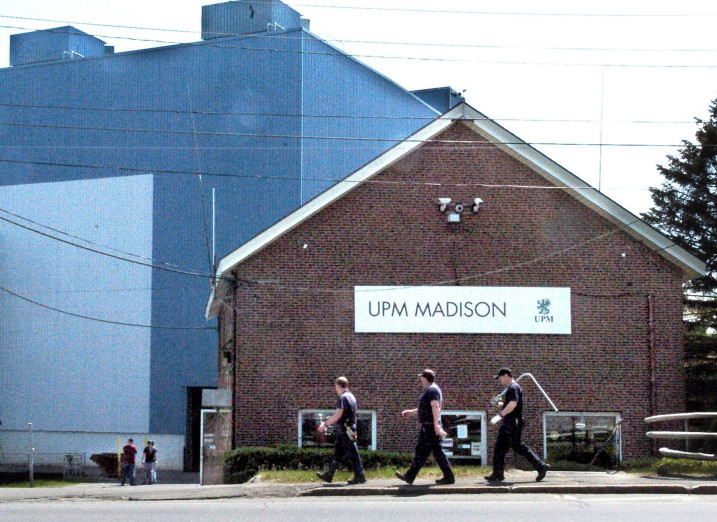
{"x": 346, "y": 434}
{"x": 129, "y": 451}
{"x": 429, "y": 438}
{"x": 149, "y": 459}
{"x": 511, "y": 430}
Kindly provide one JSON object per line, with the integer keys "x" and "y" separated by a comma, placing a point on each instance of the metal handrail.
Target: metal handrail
{"x": 502, "y": 394}
{"x": 686, "y": 435}
{"x": 682, "y": 416}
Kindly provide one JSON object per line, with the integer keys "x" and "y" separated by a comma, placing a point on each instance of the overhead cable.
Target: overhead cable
{"x": 333, "y": 138}
{"x": 108, "y": 321}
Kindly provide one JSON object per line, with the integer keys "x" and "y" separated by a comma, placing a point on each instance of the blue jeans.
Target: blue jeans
{"x": 150, "y": 473}
{"x": 128, "y": 471}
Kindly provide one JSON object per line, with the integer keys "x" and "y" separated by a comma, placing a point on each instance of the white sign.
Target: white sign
{"x": 462, "y": 309}
{"x": 462, "y": 431}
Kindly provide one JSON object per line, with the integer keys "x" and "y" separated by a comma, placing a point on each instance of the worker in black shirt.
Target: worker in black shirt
{"x": 429, "y": 438}
{"x": 346, "y": 434}
{"x": 511, "y": 430}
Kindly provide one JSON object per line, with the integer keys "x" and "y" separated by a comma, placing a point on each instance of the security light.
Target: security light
{"x": 443, "y": 203}
{"x": 477, "y": 202}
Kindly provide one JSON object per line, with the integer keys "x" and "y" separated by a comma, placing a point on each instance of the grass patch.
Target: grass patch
{"x": 40, "y": 483}
{"x": 686, "y": 467}
{"x": 428, "y": 472}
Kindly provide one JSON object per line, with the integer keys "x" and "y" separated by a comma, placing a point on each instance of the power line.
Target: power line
{"x": 413, "y": 10}
{"x": 344, "y": 40}
{"x": 113, "y": 256}
{"x": 85, "y": 239}
{"x": 119, "y": 323}
{"x": 293, "y": 178}
{"x": 506, "y": 13}
{"x": 330, "y": 138}
{"x": 210, "y": 261}
{"x": 338, "y": 52}
{"x": 444, "y": 282}
{"x": 326, "y": 116}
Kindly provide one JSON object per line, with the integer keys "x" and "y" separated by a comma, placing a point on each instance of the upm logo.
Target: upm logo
{"x": 544, "y": 312}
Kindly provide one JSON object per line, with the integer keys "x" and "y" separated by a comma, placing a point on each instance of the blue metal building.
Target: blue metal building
{"x": 120, "y": 152}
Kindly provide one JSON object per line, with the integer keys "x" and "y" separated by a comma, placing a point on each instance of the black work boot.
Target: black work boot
{"x": 494, "y": 477}
{"x": 357, "y": 479}
{"x": 326, "y": 477}
{"x": 542, "y": 470}
{"x": 446, "y": 480}
{"x": 404, "y": 478}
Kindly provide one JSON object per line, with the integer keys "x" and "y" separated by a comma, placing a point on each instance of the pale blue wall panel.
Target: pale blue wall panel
{"x": 68, "y": 373}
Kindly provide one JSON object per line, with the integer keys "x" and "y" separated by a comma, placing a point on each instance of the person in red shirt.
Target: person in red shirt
{"x": 129, "y": 453}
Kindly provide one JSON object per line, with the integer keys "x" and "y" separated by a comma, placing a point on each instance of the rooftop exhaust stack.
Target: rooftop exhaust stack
{"x": 246, "y": 17}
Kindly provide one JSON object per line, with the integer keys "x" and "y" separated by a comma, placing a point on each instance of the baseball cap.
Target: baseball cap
{"x": 504, "y": 371}
{"x": 428, "y": 374}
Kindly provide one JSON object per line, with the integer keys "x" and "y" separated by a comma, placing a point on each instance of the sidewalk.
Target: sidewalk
{"x": 517, "y": 482}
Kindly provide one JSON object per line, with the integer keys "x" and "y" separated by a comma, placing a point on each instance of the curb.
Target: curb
{"x": 408, "y": 491}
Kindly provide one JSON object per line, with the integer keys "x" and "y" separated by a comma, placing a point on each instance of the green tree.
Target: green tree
{"x": 685, "y": 209}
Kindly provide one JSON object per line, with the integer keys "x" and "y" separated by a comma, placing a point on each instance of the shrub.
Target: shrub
{"x": 243, "y": 463}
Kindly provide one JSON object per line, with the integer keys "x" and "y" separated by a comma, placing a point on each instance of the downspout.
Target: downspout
{"x": 651, "y": 356}
{"x": 235, "y": 356}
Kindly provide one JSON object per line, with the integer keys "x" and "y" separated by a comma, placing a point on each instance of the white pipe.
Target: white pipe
{"x": 498, "y": 397}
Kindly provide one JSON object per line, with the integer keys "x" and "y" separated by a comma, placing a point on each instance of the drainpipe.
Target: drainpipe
{"x": 235, "y": 357}
{"x": 651, "y": 356}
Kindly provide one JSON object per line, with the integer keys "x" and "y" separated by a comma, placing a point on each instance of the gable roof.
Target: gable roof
{"x": 691, "y": 266}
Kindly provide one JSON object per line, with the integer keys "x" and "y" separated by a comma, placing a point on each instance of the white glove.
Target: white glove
{"x": 496, "y": 419}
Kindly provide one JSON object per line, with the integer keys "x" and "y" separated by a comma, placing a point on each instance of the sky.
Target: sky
{"x": 606, "y": 89}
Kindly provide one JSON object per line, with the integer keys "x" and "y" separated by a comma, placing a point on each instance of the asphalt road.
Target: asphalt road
{"x": 463, "y": 508}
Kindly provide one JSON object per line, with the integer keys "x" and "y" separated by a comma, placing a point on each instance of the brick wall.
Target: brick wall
{"x": 295, "y": 327}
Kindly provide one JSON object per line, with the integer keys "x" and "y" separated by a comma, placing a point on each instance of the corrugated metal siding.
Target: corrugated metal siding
{"x": 66, "y": 373}
{"x": 236, "y": 94}
{"x": 341, "y": 87}
{"x": 51, "y": 45}
{"x": 245, "y": 17}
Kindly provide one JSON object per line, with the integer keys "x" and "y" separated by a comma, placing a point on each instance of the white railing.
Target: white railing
{"x": 683, "y": 435}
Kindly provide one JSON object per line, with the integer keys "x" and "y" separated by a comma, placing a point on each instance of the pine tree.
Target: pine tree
{"x": 685, "y": 209}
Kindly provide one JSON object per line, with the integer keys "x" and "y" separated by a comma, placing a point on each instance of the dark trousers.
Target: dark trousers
{"x": 342, "y": 448}
{"x": 128, "y": 471}
{"x": 428, "y": 442}
{"x": 510, "y": 436}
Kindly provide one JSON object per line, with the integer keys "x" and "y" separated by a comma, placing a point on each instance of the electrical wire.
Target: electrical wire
{"x": 428, "y": 11}
{"x": 138, "y": 170}
{"x": 113, "y": 256}
{"x": 331, "y": 116}
{"x": 444, "y": 282}
{"x": 504, "y": 13}
{"x": 96, "y": 319}
{"x": 86, "y": 240}
{"x": 337, "y": 138}
{"x": 338, "y": 52}
{"x": 367, "y": 42}
{"x": 210, "y": 261}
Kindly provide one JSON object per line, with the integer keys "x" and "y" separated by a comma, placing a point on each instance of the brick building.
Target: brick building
{"x": 605, "y": 344}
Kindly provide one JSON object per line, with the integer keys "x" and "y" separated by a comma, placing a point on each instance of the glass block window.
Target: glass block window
{"x": 309, "y": 421}
{"x": 582, "y": 437}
